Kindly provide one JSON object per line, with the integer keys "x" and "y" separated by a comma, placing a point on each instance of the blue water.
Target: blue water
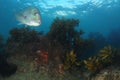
{"x": 95, "y": 15}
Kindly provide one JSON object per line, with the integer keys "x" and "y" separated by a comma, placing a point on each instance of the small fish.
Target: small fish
{"x": 29, "y": 16}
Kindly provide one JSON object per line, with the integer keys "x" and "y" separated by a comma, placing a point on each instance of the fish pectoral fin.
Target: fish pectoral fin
{"x": 26, "y": 25}
{"x": 22, "y": 25}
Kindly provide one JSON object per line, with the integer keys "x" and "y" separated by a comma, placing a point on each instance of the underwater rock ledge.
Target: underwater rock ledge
{"x": 110, "y": 73}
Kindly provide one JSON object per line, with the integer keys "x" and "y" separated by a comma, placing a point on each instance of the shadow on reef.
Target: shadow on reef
{"x": 98, "y": 42}
{"x": 6, "y": 68}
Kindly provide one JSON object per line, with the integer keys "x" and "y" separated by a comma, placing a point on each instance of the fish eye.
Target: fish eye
{"x": 25, "y": 17}
{"x": 36, "y": 13}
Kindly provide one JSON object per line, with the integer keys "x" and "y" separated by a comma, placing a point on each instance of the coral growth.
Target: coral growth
{"x": 42, "y": 57}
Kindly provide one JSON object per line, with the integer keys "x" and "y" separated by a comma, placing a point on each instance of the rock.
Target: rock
{"x": 6, "y": 69}
{"x": 111, "y": 73}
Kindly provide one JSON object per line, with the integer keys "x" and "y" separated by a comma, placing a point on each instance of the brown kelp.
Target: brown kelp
{"x": 21, "y": 41}
{"x": 71, "y": 60}
{"x": 23, "y": 35}
{"x": 103, "y": 59}
{"x": 93, "y": 64}
{"x": 106, "y": 55}
{"x": 62, "y": 31}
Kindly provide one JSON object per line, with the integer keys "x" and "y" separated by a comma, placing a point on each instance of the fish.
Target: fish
{"x": 29, "y": 16}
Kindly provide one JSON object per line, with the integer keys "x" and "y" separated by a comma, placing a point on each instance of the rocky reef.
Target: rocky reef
{"x": 6, "y": 68}
{"x": 61, "y": 52}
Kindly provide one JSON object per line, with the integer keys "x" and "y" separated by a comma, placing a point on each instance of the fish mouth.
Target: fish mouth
{"x": 38, "y": 21}
{"x": 34, "y": 23}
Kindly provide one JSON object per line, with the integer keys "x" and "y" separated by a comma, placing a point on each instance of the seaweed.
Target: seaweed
{"x": 71, "y": 60}
{"x": 103, "y": 59}
{"x": 22, "y": 41}
{"x": 23, "y": 35}
{"x": 93, "y": 64}
{"x": 106, "y": 55}
{"x": 62, "y": 31}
